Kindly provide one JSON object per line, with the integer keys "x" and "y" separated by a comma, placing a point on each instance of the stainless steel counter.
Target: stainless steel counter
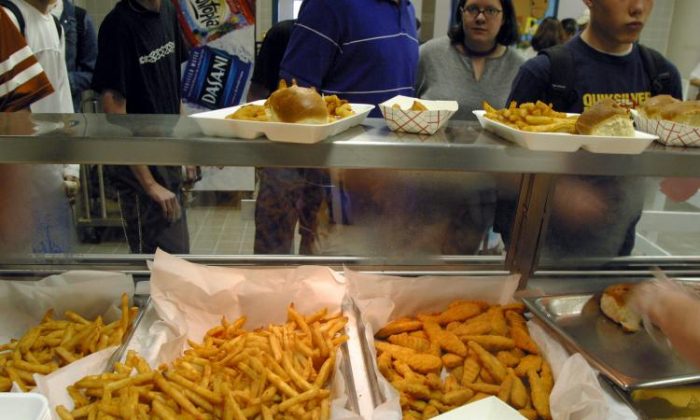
{"x": 169, "y": 139}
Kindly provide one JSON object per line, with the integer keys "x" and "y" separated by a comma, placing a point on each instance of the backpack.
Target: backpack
{"x": 561, "y": 93}
{"x": 12, "y": 8}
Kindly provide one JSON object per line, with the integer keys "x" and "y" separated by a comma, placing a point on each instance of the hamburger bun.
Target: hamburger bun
{"x": 652, "y": 107}
{"x": 615, "y": 305}
{"x": 605, "y": 118}
{"x": 687, "y": 112}
{"x": 296, "y": 104}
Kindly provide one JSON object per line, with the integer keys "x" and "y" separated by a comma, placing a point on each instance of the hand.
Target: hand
{"x": 654, "y": 298}
{"x": 192, "y": 174}
{"x": 71, "y": 186}
{"x": 167, "y": 201}
{"x": 680, "y": 189}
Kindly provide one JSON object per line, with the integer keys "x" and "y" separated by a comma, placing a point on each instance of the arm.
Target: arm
{"x": 81, "y": 78}
{"x": 676, "y": 313}
{"x": 114, "y": 103}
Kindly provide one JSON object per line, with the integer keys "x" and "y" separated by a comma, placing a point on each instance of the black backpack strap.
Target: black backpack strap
{"x": 657, "y": 70}
{"x": 59, "y": 28}
{"x": 562, "y": 79}
{"x": 12, "y": 8}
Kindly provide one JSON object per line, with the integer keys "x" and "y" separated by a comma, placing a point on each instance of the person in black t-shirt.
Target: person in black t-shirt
{"x": 140, "y": 49}
{"x": 267, "y": 63}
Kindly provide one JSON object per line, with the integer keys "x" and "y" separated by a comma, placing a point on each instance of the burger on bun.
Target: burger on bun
{"x": 296, "y": 104}
{"x": 605, "y": 118}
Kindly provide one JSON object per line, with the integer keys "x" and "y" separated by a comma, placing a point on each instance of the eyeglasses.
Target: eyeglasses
{"x": 474, "y": 11}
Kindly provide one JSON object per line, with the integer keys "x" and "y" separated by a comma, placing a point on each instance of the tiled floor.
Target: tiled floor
{"x": 219, "y": 227}
{"x": 215, "y": 228}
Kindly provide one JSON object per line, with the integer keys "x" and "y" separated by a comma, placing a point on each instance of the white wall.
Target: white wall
{"x": 684, "y": 40}
{"x": 570, "y": 9}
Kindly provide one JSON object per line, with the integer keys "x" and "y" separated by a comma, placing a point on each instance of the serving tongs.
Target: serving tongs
{"x": 121, "y": 350}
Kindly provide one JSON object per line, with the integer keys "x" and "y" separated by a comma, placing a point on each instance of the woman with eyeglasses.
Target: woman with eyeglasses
{"x": 473, "y": 63}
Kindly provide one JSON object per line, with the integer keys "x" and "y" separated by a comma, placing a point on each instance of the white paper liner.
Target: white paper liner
{"x": 419, "y": 122}
{"x": 383, "y": 298}
{"x": 189, "y": 299}
{"x": 88, "y": 293}
{"x": 670, "y": 133}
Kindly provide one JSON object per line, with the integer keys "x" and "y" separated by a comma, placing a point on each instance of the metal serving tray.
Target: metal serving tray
{"x": 630, "y": 360}
{"x": 352, "y": 367}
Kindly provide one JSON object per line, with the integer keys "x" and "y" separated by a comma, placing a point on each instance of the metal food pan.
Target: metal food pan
{"x": 352, "y": 367}
{"x": 630, "y": 360}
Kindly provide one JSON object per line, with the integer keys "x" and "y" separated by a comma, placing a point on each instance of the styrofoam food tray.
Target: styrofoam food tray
{"x": 214, "y": 123}
{"x": 419, "y": 122}
{"x": 564, "y": 142}
{"x": 669, "y": 133}
{"x": 490, "y": 408}
{"x": 23, "y": 406}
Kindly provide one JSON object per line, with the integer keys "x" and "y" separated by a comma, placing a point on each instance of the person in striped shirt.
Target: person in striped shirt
{"x": 22, "y": 81}
{"x": 365, "y": 51}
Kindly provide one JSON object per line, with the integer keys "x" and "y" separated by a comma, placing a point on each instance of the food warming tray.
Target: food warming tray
{"x": 630, "y": 360}
{"x": 564, "y": 142}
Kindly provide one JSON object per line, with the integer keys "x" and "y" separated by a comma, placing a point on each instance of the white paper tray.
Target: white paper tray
{"x": 669, "y": 133}
{"x": 419, "y": 122}
{"x": 214, "y": 123}
{"x": 564, "y": 142}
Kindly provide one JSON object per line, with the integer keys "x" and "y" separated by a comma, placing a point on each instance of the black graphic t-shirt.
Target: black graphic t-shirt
{"x": 140, "y": 52}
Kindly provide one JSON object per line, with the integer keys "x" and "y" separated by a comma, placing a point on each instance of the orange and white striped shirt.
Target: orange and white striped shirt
{"x": 22, "y": 79}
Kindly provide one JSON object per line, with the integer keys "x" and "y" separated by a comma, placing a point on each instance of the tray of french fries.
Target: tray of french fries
{"x": 60, "y": 326}
{"x": 437, "y": 343}
{"x": 231, "y": 343}
{"x": 537, "y": 126}
{"x": 255, "y": 123}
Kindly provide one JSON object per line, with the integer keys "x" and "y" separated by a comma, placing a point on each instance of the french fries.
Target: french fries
{"x": 55, "y": 343}
{"x": 416, "y": 106}
{"x": 537, "y": 117}
{"x": 281, "y": 371}
{"x": 495, "y": 356}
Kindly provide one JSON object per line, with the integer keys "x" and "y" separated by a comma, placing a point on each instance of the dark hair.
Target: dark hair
{"x": 508, "y": 35}
{"x": 570, "y": 26}
{"x": 549, "y": 34}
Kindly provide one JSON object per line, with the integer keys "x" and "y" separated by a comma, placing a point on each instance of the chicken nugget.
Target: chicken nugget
{"x": 492, "y": 343}
{"x": 527, "y": 363}
{"x": 471, "y": 370}
{"x": 522, "y": 340}
{"x": 420, "y": 345}
{"x": 519, "y": 397}
{"x": 413, "y": 389}
{"x": 539, "y": 394}
{"x": 450, "y": 360}
{"x": 506, "y": 388}
{"x": 481, "y": 327}
{"x": 447, "y": 340}
{"x": 458, "y": 397}
{"x": 459, "y": 313}
{"x": 528, "y": 413}
{"x": 397, "y": 327}
{"x": 508, "y": 358}
{"x": 489, "y": 362}
{"x": 430, "y": 411}
{"x": 498, "y": 321}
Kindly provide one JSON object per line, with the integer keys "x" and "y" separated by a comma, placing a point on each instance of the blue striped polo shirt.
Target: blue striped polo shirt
{"x": 365, "y": 51}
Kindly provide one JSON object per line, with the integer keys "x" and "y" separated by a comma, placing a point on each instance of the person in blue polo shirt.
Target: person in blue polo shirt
{"x": 365, "y": 51}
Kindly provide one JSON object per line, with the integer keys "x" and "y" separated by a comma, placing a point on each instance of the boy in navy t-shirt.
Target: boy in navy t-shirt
{"x": 594, "y": 215}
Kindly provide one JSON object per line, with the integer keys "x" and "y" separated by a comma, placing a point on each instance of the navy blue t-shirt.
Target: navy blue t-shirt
{"x": 365, "y": 51}
{"x": 598, "y": 76}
